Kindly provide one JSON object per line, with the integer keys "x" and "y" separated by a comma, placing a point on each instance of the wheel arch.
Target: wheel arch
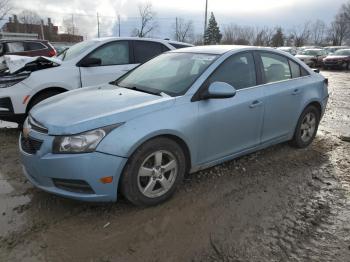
{"x": 42, "y": 91}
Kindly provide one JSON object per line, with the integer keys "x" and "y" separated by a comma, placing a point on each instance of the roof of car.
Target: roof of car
{"x": 107, "y": 39}
{"x": 220, "y": 49}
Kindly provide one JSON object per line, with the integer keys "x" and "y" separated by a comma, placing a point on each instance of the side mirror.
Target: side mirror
{"x": 218, "y": 90}
{"x": 90, "y": 62}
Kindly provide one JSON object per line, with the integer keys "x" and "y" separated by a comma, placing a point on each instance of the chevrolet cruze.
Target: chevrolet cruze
{"x": 181, "y": 112}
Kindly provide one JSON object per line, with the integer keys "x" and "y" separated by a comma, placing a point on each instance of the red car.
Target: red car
{"x": 27, "y": 48}
{"x": 339, "y": 59}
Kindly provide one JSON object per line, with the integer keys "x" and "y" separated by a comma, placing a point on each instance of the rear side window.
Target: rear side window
{"x": 146, "y": 50}
{"x": 276, "y": 67}
{"x": 238, "y": 71}
{"x": 29, "y": 46}
{"x": 115, "y": 53}
{"x": 14, "y": 47}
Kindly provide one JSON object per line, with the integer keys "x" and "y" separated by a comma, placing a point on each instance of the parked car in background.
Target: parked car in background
{"x": 332, "y": 49}
{"x": 302, "y": 48}
{"x": 289, "y": 49}
{"x": 339, "y": 59}
{"x": 181, "y": 112}
{"x": 27, "y": 48}
{"x": 312, "y": 57}
{"x": 87, "y": 63}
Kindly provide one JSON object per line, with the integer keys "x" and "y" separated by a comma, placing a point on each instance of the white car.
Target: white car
{"x": 289, "y": 49}
{"x": 87, "y": 63}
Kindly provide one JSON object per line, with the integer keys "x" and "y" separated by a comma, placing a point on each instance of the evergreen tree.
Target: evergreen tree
{"x": 278, "y": 38}
{"x": 212, "y": 35}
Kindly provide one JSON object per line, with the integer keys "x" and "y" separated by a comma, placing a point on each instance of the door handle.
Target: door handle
{"x": 295, "y": 92}
{"x": 256, "y": 103}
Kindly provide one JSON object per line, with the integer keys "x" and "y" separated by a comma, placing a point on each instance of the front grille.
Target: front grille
{"x": 35, "y": 125}
{"x": 30, "y": 145}
{"x": 71, "y": 185}
{"x": 5, "y": 103}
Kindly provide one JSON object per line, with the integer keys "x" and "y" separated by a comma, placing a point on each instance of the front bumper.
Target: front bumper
{"x": 43, "y": 168}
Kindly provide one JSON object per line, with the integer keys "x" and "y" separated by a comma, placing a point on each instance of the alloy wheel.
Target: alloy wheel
{"x": 308, "y": 127}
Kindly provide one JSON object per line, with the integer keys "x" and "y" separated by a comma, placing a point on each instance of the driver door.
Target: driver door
{"x": 231, "y": 125}
{"x": 115, "y": 62}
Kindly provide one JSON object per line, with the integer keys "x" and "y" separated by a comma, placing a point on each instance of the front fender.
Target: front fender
{"x": 178, "y": 121}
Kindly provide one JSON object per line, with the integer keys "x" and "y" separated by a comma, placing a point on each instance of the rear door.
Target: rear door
{"x": 116, "y": 58}
{"x": 283, "y": 90}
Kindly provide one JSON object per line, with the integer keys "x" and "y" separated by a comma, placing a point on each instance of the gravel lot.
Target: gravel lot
{"x": 279, "y": 204}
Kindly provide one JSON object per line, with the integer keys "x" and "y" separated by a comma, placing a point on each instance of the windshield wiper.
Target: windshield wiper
{"x": 141, "y": 90}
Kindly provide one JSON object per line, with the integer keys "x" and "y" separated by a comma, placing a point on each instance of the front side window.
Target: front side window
{"x": 238, "y": 71}
{"x": 77, "y": 50}
{"x": 170, "y": 73}
{"x": 14, "y": 47}
{"x": 275, "y": 67}
{"x": 146, "y": 50}
{"x": 115, "y": 53}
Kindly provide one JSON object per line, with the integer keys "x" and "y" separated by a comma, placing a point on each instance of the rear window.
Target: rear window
{"x": 276, "y": 67}
{"x": 178, "y": 46}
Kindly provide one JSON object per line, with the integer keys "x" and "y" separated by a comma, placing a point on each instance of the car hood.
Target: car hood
{"x": 93, "y": 107}
{"x": 334, "y": 57}
{"x": 304, "y": 56}
{"x": 16, "y": 64}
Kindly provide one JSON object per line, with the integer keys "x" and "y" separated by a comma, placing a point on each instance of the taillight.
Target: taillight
{"x": 52, "y": 53}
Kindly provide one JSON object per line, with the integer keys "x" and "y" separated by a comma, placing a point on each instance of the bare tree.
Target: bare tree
{"x": 318, "y": 32}
{"x": 339, "y": 29}
{"x": 239, "y": 35}
{"x": 300, "y": 34}
{"x": 5, "y": 8}
{"x": 148, "y": 24}
{"x": 29, "y": 19}
{"x": 183, "y": 30}
{"x": 263, "y": 36}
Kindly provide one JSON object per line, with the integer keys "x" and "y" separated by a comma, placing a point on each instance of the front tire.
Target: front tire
{"x": 307, "y": 126}
{"x": 153, "y": 172}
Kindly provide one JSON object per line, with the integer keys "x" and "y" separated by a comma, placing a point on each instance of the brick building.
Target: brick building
{"x": 47, "y": 31}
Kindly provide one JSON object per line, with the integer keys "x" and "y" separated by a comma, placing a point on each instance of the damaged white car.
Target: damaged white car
{"x": 26, "y": 81}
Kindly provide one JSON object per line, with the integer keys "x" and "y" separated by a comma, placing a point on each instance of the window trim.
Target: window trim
{"x": 103, "y": 45}
{"x": 205, "y": 84}
{"x": 164, "y": 49}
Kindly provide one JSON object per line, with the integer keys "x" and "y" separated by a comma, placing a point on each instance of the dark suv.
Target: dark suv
{"x": 27, "y": 48}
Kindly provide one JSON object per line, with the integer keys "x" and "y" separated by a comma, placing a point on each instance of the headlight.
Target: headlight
{"x": 10, "y": 80}
{"x": 81, "y": 143}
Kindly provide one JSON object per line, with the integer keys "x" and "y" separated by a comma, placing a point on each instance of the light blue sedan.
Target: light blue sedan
{"x": 181, "y": 112}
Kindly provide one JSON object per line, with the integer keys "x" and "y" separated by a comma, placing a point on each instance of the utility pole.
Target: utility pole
{"x": 119, "y": 24}
{"x": 73, "y": 27}
{"x": 177, "y": 30}
{"x": 98, "y": 26}
{"x": 42, "y": 29}
{"x": 206, "y": 17}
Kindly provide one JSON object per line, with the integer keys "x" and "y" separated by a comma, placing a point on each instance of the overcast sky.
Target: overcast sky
{"x": 286, "y": 13}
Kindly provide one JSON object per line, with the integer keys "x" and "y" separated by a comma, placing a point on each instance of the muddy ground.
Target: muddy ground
{"x": 280, "y": 204}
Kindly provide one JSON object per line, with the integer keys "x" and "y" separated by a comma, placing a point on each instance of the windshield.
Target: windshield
{"x": 170, "y": 73}
{"x": 342, "y": 52}
{"x": 76, "y": 50}
{"x": 311, "y": 52}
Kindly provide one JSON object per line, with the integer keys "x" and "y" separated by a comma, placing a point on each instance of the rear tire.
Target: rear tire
{"x": 153, "y": 172}
{"x": 306, "y": 129}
